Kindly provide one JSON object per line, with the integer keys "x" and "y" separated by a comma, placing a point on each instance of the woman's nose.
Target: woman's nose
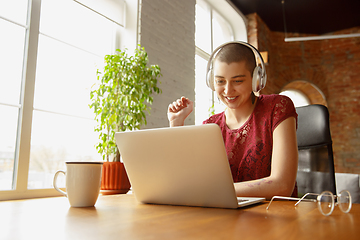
{"x": 228, "y": 88}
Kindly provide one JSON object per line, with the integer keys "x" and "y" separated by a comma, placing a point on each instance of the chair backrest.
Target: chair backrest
{"x": 350, "y": 182}
{"x": 316, "y": 161}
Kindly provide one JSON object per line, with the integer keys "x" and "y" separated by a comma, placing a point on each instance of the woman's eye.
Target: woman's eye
{"x": 238, "y": 81}
{"x": 219, "y": 81}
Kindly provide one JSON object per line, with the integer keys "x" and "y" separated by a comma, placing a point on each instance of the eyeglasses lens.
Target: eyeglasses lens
{"x": 344, "y": 200}
{"x": 326, "y": 203}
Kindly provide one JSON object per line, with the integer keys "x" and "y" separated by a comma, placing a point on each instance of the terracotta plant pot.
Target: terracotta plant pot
{"x": 114, "y": 178}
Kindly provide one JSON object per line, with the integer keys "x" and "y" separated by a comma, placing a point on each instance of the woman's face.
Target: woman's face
{"x": 233, "y": 83}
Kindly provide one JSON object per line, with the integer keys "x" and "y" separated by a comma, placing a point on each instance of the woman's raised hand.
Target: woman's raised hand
{"x": 179, "y": 110}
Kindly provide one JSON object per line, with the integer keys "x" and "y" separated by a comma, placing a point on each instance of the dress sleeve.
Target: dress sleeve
{"x": 206, "y": 121}
{"x": 283, "y": 109}
{"x": 217, "y": 118}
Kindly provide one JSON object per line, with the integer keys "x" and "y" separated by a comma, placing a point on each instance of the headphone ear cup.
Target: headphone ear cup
{"x": 210, "y": 80}
{"x": 256, "y": 81}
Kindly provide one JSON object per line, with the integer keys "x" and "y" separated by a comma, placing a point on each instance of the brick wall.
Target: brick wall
{"x": 333, "y": 66}
{"x": 168, "y": 35}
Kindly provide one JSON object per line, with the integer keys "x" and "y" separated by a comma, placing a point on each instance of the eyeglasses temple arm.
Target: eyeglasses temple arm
{"x": 307, "y": 194}
{"x": 280, "y": 197}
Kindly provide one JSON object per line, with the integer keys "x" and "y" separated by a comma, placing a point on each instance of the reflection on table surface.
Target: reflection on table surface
{"x": 122, "y": 217}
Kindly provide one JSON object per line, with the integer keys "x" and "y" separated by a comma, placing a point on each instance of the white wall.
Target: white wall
{"x": 168, "y": 34}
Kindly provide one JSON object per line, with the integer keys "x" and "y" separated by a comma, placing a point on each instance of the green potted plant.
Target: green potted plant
{"x": 120, "y": 100}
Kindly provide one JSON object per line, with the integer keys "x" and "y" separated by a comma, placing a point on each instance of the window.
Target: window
{"x": 12, "y": 42}
{"x": 203, "y": 26}
{"x": 299, "y": 99}
{"x": 211, "y": 30}
{"x": 47, "y": 67}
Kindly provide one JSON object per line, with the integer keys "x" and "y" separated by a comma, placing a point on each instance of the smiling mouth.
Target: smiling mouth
{"x": 230, "y": 98}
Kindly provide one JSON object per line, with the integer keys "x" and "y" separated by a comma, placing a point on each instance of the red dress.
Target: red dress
{"x": 249, "y": 148}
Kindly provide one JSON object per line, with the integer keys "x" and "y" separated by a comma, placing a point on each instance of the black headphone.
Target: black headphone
{"x": 259, "y": 74}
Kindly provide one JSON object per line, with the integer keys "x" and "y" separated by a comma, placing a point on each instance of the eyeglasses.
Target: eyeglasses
{"x": 326, "y": 201}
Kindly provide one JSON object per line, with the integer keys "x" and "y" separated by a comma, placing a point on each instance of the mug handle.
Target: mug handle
{"x": 54, "y": 182}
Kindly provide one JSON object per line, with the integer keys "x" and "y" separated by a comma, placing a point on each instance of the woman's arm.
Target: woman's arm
{"x": 284, "y": 166}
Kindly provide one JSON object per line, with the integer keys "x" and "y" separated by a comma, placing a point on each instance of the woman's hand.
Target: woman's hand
{"x": 179, "y": 110}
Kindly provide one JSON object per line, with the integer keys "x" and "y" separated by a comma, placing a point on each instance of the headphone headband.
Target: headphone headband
{"x": 259, "y": 74}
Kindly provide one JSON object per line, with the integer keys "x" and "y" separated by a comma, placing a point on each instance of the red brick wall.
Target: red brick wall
{"x": 331, "y": 65}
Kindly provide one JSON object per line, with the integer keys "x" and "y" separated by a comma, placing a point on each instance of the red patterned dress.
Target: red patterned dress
{"x": 249, "y": 148}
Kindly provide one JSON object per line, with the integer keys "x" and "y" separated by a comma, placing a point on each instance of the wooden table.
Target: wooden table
{"x": 122, "y": 217}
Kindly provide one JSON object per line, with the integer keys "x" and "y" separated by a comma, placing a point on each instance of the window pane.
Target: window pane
{"x": 11, "y": 61}
{"x": 8, "y": 129}
{"x": 64, "y": 77}
{"x": 112, "y": 9}
{"x": 203, "y": 94}
{"x": 221, "y": 30}
{"x": 203, "y": 27}
{"x": 77, "y": 25}
{"x": 218, "y": 105}
{"x": 14, "y": 10}
{"x": 55, "y": 139}
{"x": 11, "y": 64}
{"x": 299, "y": 99}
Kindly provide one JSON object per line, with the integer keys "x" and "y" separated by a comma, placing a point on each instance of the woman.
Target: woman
{"x": 259, "y": 132}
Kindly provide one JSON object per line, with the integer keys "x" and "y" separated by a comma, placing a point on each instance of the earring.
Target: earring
{"x": 252, "y": 97}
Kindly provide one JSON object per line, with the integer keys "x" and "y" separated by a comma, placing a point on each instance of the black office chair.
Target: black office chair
{"x": 316, "y": 162}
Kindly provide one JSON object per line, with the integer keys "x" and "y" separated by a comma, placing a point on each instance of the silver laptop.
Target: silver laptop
{"x": 180, "y": 166}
